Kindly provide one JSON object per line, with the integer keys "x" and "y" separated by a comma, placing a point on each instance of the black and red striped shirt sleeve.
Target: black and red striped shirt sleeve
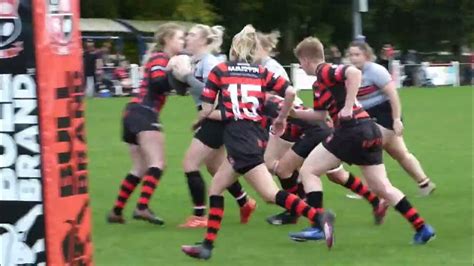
{"x": 157, "y": 73}
{"x": 157, "y": 66}
{"x": 332, "y": 74}
{"x": 212, "y": 87}
{"x": 272, "y": 82}
{"x": 321, "y": 98}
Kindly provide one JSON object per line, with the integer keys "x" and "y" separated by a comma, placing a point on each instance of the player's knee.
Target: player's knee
{"x": 212, "y": 169}
{"x": 270, "y": 164}
{"x": 283, "y": 169}
{"x": 190, "y": 164}
{"x": 399, "y": 154}
{"x": 335, "y": 178}
{"x": 306, "y": 171}
{"x": 338, "y": 175}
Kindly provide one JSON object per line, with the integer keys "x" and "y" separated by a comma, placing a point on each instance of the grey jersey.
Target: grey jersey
{"x": 202, "y": 66}
{"x": 374, "y": 78}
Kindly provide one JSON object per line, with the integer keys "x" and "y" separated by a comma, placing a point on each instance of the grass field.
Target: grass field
{"x": 438, "y": 130}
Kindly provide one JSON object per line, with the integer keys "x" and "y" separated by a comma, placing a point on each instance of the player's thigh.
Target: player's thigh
{"x": 396, "y": 148}
{"x": 261, "y": 180}
{"x": 152, "y": 144}
{"x": 376, "y": 177}
{"x": 276, "y": 148}
{"x": 223, "y": 178}
{"x": 195, "y": 155}
{"x": 215, "y": 159}
{"x": 387, "y": 135}
{"x": 319, "y": 161}
{"x": 288, "y": 164}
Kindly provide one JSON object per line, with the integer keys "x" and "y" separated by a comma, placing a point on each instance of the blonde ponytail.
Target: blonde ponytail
{"x": 269, "y": 41}
{"x": 213, "y": 35}
{"x": 244, "y": 45}
{"x": 217, "y": 38}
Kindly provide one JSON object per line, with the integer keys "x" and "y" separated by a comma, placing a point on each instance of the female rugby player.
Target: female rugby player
{"x": 379, "y": 97}
{"x": 207, "y": 145}
{"x": 141, "y": 126}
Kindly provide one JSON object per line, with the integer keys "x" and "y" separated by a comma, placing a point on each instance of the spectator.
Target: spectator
{"x": 386, "y": 56}
{"x": 346, "y": 59}
{"x": 412, "y": 69}
{"x": 105, "y": 67}
{"x": 105, "y": 53}
{"x": 121, "y": 76}
{"x": 336, "y": 55}
{"x": 90, "y": 58}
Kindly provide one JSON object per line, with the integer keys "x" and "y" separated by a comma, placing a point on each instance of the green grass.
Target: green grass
{"x": 438, "y": 130}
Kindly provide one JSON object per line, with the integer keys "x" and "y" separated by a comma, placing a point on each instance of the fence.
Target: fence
{"x": 424, "y": 74}
{"x": 432, "y": 74}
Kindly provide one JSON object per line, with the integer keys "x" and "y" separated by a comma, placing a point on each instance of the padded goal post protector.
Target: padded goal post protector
{"x": 44, "y": 203}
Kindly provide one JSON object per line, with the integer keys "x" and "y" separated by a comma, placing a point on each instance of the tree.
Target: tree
{"x": 198, "y": 11}
{"x": 427, "y": 25}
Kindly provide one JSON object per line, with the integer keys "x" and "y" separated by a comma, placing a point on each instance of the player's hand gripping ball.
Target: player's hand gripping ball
{"x": 180, "y": 67}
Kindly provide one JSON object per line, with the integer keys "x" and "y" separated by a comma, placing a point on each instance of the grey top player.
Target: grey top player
{"x": 374, "y": 79}
{"x": 378, "y": 94}
{"x": 380, "y": 99}
{"x": 203, "y": 64}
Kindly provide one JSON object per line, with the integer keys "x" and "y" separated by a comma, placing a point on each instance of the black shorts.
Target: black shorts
{"x": 310, "y": 139}
{"x": 245, "y": 142}
{"x": 136, "y": 119}
{"x": 293, "y": 132}
{"x": 382, "y": 113}
{"x": 211, "y": 133}
{"x": 356, "y": 142}
{"x": 296, "y": 128}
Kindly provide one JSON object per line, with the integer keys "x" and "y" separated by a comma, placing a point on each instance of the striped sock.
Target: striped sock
{"x": 216, "y": 212}
{"x": 315, "y": 200}
{"x": 410, "y": 213}
{"x": 296, "y": 206}
{"x": 150, "y": 182}
{"x": 128, "y": 185}
{"x": 355, "y": 184}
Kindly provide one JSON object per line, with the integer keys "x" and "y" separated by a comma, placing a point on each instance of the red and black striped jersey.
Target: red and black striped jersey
{"x": 242, "y": 89}
{"x": 330, "y": 91}
{"x": 154, "y": 84}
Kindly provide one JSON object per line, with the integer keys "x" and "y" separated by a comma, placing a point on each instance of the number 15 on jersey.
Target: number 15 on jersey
{"x": 243, "y": 91}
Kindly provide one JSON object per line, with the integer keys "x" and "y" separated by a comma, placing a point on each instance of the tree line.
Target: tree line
{"x": 424, "y": 25}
